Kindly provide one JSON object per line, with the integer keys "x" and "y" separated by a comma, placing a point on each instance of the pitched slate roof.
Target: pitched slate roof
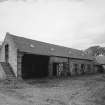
{"x": 42, "y": 48}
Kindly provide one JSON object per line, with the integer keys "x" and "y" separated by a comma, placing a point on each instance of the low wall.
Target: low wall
{"x": 2, "y": 73}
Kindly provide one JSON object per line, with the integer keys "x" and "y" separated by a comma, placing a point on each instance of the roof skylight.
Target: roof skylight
{"x": 52, "y": 49}
{"x": 69, "y": 52}
{"x": 31, "y": 45}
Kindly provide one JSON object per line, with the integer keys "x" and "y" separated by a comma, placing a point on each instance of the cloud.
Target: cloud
{"x": 3, "y": 0}
{"x": 77, "y": 24}
{"x": 100, "y": 39}
{"x": 17, "y": 0}
{"x": 46, "y": 1}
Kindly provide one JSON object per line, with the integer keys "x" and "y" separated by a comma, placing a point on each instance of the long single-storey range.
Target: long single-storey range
{"x": 34, "y": 59}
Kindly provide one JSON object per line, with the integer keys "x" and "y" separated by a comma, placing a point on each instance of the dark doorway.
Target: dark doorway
{"x": 83, "y": 68}
{"x": 76, "y": 68}
{"x": 55, "y": 68}
{"x": 34, "y": 66}
{"x": 6, "y": 53}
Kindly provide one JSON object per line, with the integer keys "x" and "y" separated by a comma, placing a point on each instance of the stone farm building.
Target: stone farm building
{"x": 26, "y": 59}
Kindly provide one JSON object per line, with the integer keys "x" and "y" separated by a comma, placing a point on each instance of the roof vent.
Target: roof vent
{"x": 69, "y": 52}
{"x": 86, "y": 52}
{"x": 31, "y": 45}
{"x": 52, "y": 49}
{"x": 82, "y": 54}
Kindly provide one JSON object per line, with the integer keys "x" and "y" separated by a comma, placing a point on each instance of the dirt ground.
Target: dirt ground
{"x": 81, "y": 90}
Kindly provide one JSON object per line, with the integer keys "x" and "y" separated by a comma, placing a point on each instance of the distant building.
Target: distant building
{"x": 34, "y": 59}
{"x": 100, "y": 60}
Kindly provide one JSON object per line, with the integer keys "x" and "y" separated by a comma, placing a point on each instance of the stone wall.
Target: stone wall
{"x": 71, "y": 63}
{"x": 80, "y": 63}
{"x": 19, "y": 65}
{"x": 69, "y": 71}
{"x": 54, "y": 59}
{"x": 12, "y": 53}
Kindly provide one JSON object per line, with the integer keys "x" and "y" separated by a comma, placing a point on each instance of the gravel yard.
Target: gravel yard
{"x": 84, "y": 90}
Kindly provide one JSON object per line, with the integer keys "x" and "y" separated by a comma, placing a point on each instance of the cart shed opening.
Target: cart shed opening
{"x": 34, "y": 66}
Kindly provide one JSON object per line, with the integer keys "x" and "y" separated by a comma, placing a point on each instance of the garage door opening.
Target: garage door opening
{"x": 34, "y": 66}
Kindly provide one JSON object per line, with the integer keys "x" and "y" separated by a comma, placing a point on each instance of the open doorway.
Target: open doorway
{"x": 58, "y": 69}
{"x": 55, "y": 68}
{"x": 76, "y": 69}
{"x": 34, "y": 66}
{"x": 83, "y": 68}
{"x": 6, "y": 53}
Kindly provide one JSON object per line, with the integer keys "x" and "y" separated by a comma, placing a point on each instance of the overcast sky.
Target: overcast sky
{"x": 72, "y": 23}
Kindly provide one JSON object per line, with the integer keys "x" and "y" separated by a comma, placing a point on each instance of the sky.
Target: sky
{"x": 72, "y": 23}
